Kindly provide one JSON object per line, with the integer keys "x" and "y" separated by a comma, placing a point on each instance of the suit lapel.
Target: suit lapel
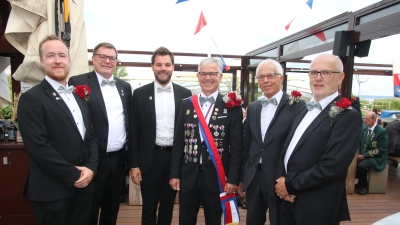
{"x": 122, "y": 94}
{"x": 83, "y": 112}
{"x": 315, "y": 123}
{"x": 177, "y": 100}
{"x": 151, "y": 102}
{"x": 295, "y": 124}
{"x": 54, "y": 96}
{"x": 96, "y": 92}
{"x": 257, "y": 121}
{"x": 283, "y": 101}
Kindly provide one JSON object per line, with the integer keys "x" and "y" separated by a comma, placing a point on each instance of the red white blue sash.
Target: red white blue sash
{"x": 228, "y": 201}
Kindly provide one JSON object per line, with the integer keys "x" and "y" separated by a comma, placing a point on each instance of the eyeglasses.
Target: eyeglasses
{"x": 104, "y": 57}
{"x": 211, "y": 74}
{"x": 270, "y": 76}
{"x": 323, "y": 73}
{"x": 379, "y": 114}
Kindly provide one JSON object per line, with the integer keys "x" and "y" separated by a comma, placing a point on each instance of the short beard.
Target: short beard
{"x": 163, "y": 82}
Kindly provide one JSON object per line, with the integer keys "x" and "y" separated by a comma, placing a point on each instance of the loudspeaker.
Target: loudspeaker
{"x": 362, "y": 48}
{"x": 340, "y": 43}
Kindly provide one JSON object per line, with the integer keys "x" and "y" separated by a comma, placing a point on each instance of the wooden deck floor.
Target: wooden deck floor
{"x": 364, "y": 210}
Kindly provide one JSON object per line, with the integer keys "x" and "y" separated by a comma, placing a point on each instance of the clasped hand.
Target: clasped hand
{"x": 280, "y": 190}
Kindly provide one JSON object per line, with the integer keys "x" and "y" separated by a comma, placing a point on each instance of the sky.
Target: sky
{"x": 237, "y": 27}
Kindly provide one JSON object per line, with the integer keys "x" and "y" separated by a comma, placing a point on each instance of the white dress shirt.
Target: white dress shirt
{"x": 73, "y": 106}
{"x": 267, "y": 114}
{"x": 165, "y": 115}
{"x": 115, "y": 115}
{"x": 307, "y": 120}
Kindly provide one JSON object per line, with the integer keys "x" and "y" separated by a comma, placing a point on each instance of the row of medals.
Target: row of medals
{"x": 191, "y": 146}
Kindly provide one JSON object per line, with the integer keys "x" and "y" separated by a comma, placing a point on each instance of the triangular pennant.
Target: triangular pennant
{"x": 309, "y": 3}
{"x": 321, "y": 36}
{"x": 224, "y": 66}
{"x": 180, "y": 1}
{"x": 202, "y": 22}
{"x": 288, "y": 25}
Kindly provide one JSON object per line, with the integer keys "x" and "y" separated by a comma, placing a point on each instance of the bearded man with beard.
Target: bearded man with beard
{"x": 58, "y": 135}
{"x": 155, "y": 109}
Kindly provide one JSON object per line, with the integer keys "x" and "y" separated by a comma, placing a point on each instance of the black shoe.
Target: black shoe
{"x": 362, "y": 191}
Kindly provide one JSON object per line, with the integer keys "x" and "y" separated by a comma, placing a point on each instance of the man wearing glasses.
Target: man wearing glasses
{"x": 268, "y": 122}
{"x": 109, "y": 107}
{"x": 192, "y": 169}
{"x": 320, "y": 146}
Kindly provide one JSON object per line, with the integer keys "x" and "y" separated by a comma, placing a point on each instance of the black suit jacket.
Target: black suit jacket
{"x": 98, "y": 110}
{"x": 231, "y": 142}
{"x": 270, "y": 149}
{"x": 393, "y": 130}
{"x": 144, "y": 123}
{"x": 317, "y": 167}
{"x": 54, "y": 143}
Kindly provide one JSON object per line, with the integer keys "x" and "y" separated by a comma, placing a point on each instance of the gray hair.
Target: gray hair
{"x": 278, "y": 66}
{"x": 210, "y": 60}
{"x": 336, "y": 60}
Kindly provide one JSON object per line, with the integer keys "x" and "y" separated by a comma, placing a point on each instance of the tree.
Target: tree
{"x": 120, "y": 71}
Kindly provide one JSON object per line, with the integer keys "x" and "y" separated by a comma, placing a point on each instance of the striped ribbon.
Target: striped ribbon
{"x": 228, "y": 201}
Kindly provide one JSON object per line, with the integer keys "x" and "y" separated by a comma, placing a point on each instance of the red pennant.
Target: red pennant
{"x": 202, "y": 22}
{"x": 288, "y": 25}
{"x": 321, "y": 36}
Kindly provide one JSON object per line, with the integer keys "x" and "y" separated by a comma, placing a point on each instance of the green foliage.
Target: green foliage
{"x": 384, "y": 104}
{"x": 120, "y": 71}
{"x": 6, "y": 112}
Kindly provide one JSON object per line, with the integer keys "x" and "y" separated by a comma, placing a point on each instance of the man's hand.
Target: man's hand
{"x": 240, "y": 190}
{"x": 86, "y": 177}
{"x": 230, "y": 188}
{"x": 136, "y": 176}
{"x": 290, "y": 198}
{"x": 175, "y": 184}
{"x": 360, "y": 157}
{"x": 280, "y": 187}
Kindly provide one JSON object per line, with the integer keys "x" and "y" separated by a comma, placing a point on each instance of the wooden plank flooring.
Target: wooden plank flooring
{"x": 364, "y": 210}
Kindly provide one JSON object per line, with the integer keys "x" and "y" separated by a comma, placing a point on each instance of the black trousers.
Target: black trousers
{"x": 156, "y": 191}
{"x": 189, "y": 204}
{"x": 287, "y": 216}
{"x": 71, "y": 211}
{"x": 257, "y": 203}
{"x": 362, "y": 173}
{"x": 109, "y": 180}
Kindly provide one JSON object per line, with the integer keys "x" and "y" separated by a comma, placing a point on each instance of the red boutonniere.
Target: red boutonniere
{"x": 295, "y": 97}
{"x": 339, "y": 107}
{"x": 83, "y": 91}
{"x": 352, "y": 99}
{"x": 232, "y": 99}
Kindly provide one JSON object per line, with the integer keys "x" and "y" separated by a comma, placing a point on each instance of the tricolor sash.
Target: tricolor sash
{"x": 228, "y": 201}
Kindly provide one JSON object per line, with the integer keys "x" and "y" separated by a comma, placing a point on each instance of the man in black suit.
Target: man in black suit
{"x": 393, "y": 129}
{"x": 155, "y": 108}
{"x": 109, "y": 109}
{"x": 56, "y": 126}
{"x": 192, "y": 171}
{"x": 269, "y": 120}
{"x": 320, "y": 146}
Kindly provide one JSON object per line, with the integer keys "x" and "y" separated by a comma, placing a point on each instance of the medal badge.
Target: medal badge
{"x": 225, "y": 111}
{"x": 195, "y": 160}
{"x": 187, "y": 112}
{"x": 214, "y": 117}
